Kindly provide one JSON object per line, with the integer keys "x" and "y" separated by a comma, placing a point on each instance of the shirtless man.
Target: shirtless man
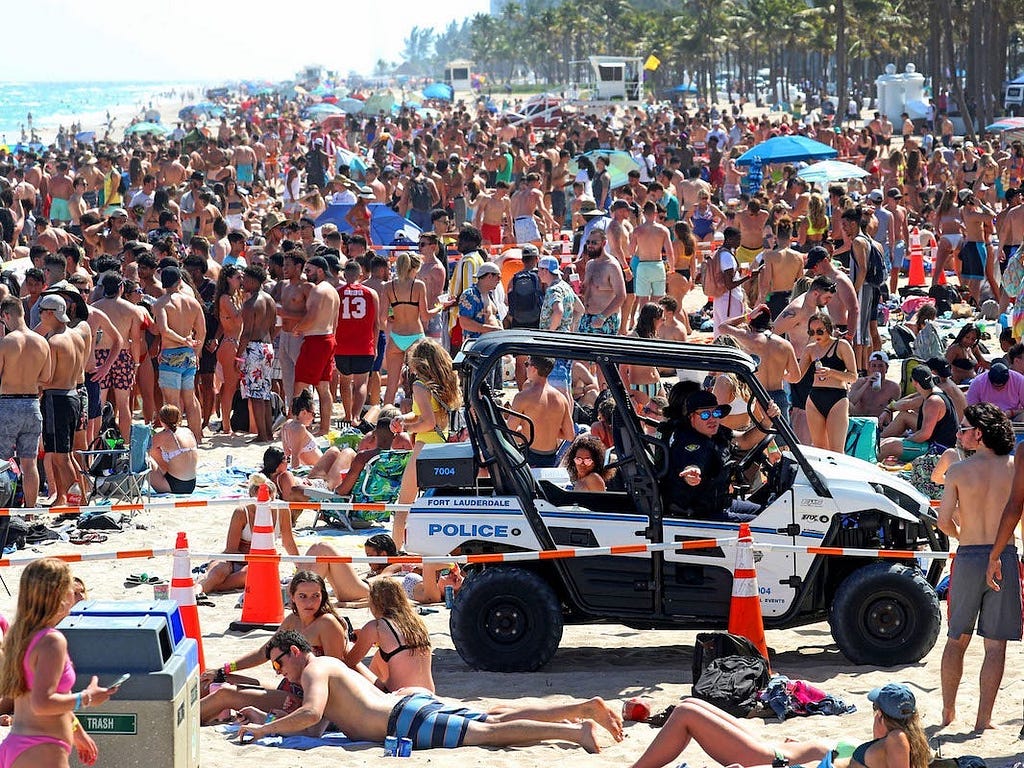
{"x": 524, "y": 204}
{"x": 618, "y": 234}
{"x": 61, "y": 188}
{"x": 291, "y": 295}
{"x": 171, "y": 172}
{"x": 865, "y": 398}
{"x": 845, "y": 310}
{"x": 94, "y": 178}
{"x": 651, "y": 242}
{"x": 119, "y": 358}
{"x": 243, "y": 158}
{"x": 62, "y": 406}
{"x": 434, "y": 275}
{"x": 674, "y": 328}
{"x": 548, "y": 410}
{"x": 604, "y": 288}
{"x": 782, "y": 268}
{"x": 778, "y": 360}
{"x": 257, "y": 352}
{"x": 315, "y": 364}
{"x": 976, "y": 263}
{"x": 25, "y": 366}
{"x": 751, "y": 223}
{"x": 792, "y": 322}
{"x": 492, "y": 213}
{"x": 335, "y": 692}
{"x": 971, "y": 512}
{"x": 181, "y": 324}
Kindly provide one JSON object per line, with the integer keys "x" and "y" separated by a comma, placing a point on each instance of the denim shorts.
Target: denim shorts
{"x": 20, "y": 427}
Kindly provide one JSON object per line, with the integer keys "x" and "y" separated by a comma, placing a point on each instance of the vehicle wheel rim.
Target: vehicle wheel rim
{"x": 505, "y": 622}
{"x": 886, "y": 618}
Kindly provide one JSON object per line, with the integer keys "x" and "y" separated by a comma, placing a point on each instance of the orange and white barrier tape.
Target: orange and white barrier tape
{"x": 85, "y": 557}
{"x": 205, "y": 503}
{"x": 885, "y": 554}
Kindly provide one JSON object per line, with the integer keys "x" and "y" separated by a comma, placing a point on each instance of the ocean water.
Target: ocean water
{"x": 54, "y": 104}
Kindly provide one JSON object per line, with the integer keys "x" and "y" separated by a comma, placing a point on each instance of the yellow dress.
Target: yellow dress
{"x": 435, "y": 435}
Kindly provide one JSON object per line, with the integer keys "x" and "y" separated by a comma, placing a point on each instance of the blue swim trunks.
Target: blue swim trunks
{"x": 608, "y": 327}
{"x": 429, "y": 723}
{"x": 244, "y": 174}
{"x": 177, "y": 368}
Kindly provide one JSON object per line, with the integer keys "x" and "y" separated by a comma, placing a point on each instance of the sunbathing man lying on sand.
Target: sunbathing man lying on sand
{"x": 334, "y": 691}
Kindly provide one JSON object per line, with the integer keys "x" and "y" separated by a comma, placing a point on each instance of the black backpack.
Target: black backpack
{"x": 728, "y": 672}
{"x": 877, "y": 273}
{"x": 419, "y": 195}
{"x": 525, "y": 295}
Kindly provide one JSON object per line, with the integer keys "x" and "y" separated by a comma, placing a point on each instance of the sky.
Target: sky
{"x": 209, "y": 41}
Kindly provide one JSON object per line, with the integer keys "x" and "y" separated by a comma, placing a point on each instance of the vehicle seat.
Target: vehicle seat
{"x": 596, "y": 501}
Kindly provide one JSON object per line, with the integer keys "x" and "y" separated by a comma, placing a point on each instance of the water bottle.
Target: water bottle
{"x": 449, "y": 596}
{"x": 228, "y": 461}
{"x": 399, "y": 396}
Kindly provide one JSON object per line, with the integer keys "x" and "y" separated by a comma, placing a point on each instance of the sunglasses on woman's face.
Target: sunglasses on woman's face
{"x": 818, "y": 332}
{"x": 711, "y": 413}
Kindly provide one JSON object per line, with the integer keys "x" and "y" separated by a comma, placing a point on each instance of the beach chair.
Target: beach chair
{"x": 378, "y": 483}
{"x": 129, "y": 473}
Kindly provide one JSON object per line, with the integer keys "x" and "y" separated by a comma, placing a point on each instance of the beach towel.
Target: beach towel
{"x": 332, "y": 739}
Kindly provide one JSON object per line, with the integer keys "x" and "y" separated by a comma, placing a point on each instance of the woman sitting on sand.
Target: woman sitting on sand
{"x": 298, "y": 442}
{"x": 402, "y": 640}
{"x": 314, "y": 618}
{"x": 173, "y": 456}
{"x": 226, "y": 575}
{"x": 899, "y": 741}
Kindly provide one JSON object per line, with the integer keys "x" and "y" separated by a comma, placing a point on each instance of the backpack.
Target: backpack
{"x": 419, "y": 195}
{"x": 877, "y": 273}
{"x": 902, "y": 341}
{"x": 524, "y": 299}
{"x": 712, "y": 278}
{"x": 728, "y": 672}
{"x": 124, "y": 185}
{"x": 862, "y": 438}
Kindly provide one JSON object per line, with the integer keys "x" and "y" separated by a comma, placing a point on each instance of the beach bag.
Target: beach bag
{"x": 712, "y": 278}
{"x": 524, "y": 299}
{"x": 862, "y": 438}
{"x": 732, "y": 683}
{"x": 419, "y": 195}
{"x": 945, "y": 297}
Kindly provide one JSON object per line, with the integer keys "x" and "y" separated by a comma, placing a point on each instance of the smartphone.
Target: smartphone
{"x": 120, "y": 681}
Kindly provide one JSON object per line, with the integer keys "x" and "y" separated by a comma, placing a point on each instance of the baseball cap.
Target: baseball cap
{"x": 940, "y": 367}
{"x": 894, "y": 192}
{"x": 595, "y": 212}
{"x": 998, "y": 374}
{"x": 529, "y": 249}
{"x": 964, "y": 195}
{"x": 170, "y": 277}
{"x": 57, "y": 304}
{"x": 618, "y": 205}
{"x": 875, "y": 196}
{"x": 879, "y": 355}
{"x": 700, "y": 400}
{"x": 487, "y": 268}
{"x": 923, "y": 376}
{"x": 815, "y": 256}
{"x": 895, "y": 699}
{"x": 550, "y": 263}
{"x": 118, "y": 212}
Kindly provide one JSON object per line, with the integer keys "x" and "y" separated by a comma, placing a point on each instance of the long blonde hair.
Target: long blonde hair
{"x": 430, "y": 363}
{"x": 816, "y": 212}
{"x": 406, "y": 264}
{"x": 42, "y": 590}
{"x": 389, "y": 599}
{"x": 920, "y": 752}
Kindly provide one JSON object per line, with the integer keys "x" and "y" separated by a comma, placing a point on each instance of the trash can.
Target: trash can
{"x": 153, "y": 721}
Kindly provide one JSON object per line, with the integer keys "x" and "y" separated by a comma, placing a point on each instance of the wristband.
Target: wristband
{"x": 78, "y": 702}
{"x": 231, "y": 666}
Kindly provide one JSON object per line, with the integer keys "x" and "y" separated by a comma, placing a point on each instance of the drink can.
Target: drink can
{"x": 228, "y": 461}
{"x": 391, "y": 746}
{"x": 405, "y": 747}
{"x": 636, "y": 709}
{"x": 449, "y": 596}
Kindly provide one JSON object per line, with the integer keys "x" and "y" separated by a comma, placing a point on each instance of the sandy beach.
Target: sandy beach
{"x": 610, "y": 661}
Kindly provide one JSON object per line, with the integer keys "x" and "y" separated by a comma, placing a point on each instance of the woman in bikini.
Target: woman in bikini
{"x": 227, "y": 575}
{"x": 236, "y": 205}
{"x": 643, "y": 381}
{"x": 951, "y": 233}
{"x": 173, "y": 452}
{"x": 227, "y": 302}
{"x": 830, "y": 363}
{"x": 359, "y": 216}
{"x": 814, "y": 227}
{"x": 402, "y": 640}
{"x": 705, "y": 217}
{"x": 683, "y": 277}
{"x": 964, "y": 349}
{"x": 296, "y": 439}
{"x": 37, "y": 674}
{"x": 404, "y": 304}
{"x": 314, "y": 618}
{"x": 899, "y": 741}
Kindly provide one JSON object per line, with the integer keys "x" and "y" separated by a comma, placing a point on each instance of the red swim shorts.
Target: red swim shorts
{"x": 316, "y": 360}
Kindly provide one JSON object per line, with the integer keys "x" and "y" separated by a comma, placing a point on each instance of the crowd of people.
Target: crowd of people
{"x": 190, "y": 284}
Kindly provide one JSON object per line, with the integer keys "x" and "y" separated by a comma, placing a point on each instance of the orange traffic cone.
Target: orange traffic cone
{"x": 183, "y": 590}
{"x": 745, "y": 610}
{"x": 262, "y": 604}
{"x": 915, "y": 276}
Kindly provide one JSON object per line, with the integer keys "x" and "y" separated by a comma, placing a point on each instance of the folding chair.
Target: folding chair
{"x": 378, "y": 483}
{"x": 131, "y": 471}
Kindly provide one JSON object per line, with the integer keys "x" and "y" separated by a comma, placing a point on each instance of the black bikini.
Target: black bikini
{"x": 387, "y": 656}
{"x": 410, "y": 303}
{"x": 825, "y": 398}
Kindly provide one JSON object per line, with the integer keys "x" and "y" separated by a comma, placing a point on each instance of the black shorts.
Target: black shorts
{"x": 92, "y": 390}
{"x": 630, "y": 287}
{"x": 349, "y": 365}
{"x": 207, "y": 361}
{"x": 62, "y": 410}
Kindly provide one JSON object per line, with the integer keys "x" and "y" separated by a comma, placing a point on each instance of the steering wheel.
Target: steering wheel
{"x": 772, "y": 429}
{"x": 747, "y": 460}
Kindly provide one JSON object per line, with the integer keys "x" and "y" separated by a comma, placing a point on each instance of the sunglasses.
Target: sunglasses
{"x": 965, "y": 428}
{"x": 583, "y": 459}
{"x": 710, "y": 413}
{"x": 818, "y": 332}
{"x": 276, "y": 663}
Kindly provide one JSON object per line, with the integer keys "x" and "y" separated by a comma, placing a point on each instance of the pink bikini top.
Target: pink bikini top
{"x": 67, "y": 677}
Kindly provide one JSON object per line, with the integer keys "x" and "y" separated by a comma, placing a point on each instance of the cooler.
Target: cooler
{"x": 153, "y": 720}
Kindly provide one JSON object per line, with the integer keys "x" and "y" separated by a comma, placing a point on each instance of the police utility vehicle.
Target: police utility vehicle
{"x": 483, "y": 498}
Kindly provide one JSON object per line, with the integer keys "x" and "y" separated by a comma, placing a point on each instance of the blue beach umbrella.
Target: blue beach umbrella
{"x": 685, "y": 88}
{"x": 323, "y": 110}
{"x": 384, "y": 222}
{"x": 439, "y": 91}
{"x": 787, "y": 149}
{"x": 352, "y": 160}
{"x": 350, "y": 106}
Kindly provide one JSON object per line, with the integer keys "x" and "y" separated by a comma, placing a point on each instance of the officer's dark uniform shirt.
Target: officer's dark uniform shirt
{"x": 688, "y": 447}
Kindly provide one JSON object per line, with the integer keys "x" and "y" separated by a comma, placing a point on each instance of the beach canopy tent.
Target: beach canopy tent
{"x": 439, "y": 91}
{"x": 384, "y": 222}
{"x": 350, "y": 106}
{"x": 787, "y": 149}
{"x": 827, "y": 171}
{"x": 154, "y": 129}
{"x": 1006, "y": 124}
{"x": 382, "y": 101}
{"x": 619, "y": 165}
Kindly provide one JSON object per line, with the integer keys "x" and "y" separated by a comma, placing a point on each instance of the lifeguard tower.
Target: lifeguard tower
{"x": 457, "y": 74}
{"x": 604, "y": 81}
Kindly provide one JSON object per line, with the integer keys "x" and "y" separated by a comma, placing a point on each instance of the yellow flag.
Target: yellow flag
{"x": 652, "y": 63}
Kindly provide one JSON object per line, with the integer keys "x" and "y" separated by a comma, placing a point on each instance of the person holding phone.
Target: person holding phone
{"x": 37, "y": 673}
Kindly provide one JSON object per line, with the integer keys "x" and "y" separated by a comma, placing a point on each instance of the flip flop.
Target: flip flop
{"x": 204, "y": 599}
{"x": 87, "y": 538}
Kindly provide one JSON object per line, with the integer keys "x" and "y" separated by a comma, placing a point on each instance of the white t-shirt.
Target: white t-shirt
{"x": 730, "y": 303}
